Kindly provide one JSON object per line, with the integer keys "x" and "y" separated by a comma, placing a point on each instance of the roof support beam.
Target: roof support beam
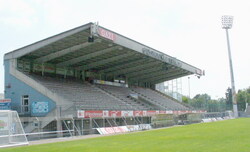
{"x": 164, "y": 76}
{"x": 117, "y": 63}
{"x": 142, "y": 71}
{"x": 146, "y": 72}
{"x": 155, "y": 74}
{"x": 119, "y": 67}
{"x": 88, "y": 56}
{"x": 105, "y": 61}
{"x": 169, "y": 78}
{"x": 134, "y": 68}
{"x": 64, "y": 51}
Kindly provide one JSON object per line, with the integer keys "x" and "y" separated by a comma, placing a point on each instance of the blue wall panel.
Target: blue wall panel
{"x": 15, "y": 89}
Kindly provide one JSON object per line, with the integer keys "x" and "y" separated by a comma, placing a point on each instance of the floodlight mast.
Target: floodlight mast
{"x": 227, "y": 22}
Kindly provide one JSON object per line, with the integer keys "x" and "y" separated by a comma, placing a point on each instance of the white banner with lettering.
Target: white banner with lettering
{"x": 112, "y": 130}
{"x": 123, "y": 129}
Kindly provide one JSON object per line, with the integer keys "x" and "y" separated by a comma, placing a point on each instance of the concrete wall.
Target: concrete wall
{"x": 1, "y": 96}
{"x": 15, "y": 89}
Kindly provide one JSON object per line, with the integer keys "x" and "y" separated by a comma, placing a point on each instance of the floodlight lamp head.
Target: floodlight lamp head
{"x": 227, "y": 21}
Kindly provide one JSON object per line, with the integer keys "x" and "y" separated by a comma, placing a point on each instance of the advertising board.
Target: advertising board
{"x": 5, "y": 104}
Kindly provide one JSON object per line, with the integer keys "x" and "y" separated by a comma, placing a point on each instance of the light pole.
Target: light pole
{"x": 227, "y": 22}
{"x": 189, "y": 87}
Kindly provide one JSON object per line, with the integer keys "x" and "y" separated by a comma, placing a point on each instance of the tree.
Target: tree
{"x": 204, "y": 101}
{"x": 185, "y": 99}
{"x": 200, "y": 101}
{"x": 229, "y": 100}
{"x": 222, "y": 100}
{"x": 248, "y": 90}
{"x": 202, "y": 98}
{"x": 243, "y": 97}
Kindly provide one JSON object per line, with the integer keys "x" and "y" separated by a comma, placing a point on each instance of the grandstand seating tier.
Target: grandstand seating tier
{"x": 86, "y": 96}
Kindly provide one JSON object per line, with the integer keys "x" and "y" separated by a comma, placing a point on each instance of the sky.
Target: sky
{"x": 189, "y": 30}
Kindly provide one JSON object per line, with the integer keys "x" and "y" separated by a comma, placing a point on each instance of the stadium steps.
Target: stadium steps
{"x": 123, "y": 94}
{"x": 155, "y": 97}
{"x": 30, "y": 127}
{"x": 155, "y": 105}
{"x": 112, "y": 96}
{"x": 43, "y": 120}
{"x": 147, "y": 105}
{"x": 48, "y": 119}
{"x": 112, "y": 93}
{"x": 173, "y": 99}
{"x": 145, "y": 97}
{"x": 150, "y": 101}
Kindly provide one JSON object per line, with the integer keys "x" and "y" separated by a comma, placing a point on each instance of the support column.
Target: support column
{"x": 42, "y": 69}
{"x": 55, "y": 69}
{"x": 82, "y": 127}
{"x": 90, "y": 126}
{"x": 31, "y": 66}
{"x": 65, "y": 73}
{"x": 58, "y": 122}
{"x": 83, "y": 75}
{"x": 103, "y": 121}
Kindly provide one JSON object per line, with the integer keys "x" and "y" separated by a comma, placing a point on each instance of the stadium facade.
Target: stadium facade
{"x": 90, "y": 72}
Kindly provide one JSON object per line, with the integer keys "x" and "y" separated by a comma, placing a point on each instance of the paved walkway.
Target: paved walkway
{"x": 53, "y": 140}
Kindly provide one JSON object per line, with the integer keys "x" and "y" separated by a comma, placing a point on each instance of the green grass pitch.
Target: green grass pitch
{"x": 223, "y": 136}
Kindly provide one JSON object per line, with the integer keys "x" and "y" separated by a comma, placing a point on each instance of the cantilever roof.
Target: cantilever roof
{"x": 110, "y": 54}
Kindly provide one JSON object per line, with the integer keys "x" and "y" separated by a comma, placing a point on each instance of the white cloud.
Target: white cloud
{"x": 17, "y": 13}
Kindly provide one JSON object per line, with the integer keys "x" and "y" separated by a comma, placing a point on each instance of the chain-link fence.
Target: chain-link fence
{"x": 211, "y": 107}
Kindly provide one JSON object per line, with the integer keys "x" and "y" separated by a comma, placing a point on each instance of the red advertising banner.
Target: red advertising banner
{"x": 169, "y": 112}
{"x": 127, "y": 113}
{"x": 162, "y": 112}
{"x": 100, "y": 113}
{"x": 80, "y": 114}
{"x": 138, "y": 113}
{"x": 175, "y": 112}
{"x": 182, "y": 112}
{"x": 201, "y": 111}
{"x": 5, "y": 100}
{"x": 115, "y": 113}
{"x": 151, "y": 113}
{"x": 106, "y": 34}
{"x": 93, "y": 114}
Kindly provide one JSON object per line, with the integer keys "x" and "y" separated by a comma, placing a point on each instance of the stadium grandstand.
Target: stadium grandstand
{"x": 90, "y": 77}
